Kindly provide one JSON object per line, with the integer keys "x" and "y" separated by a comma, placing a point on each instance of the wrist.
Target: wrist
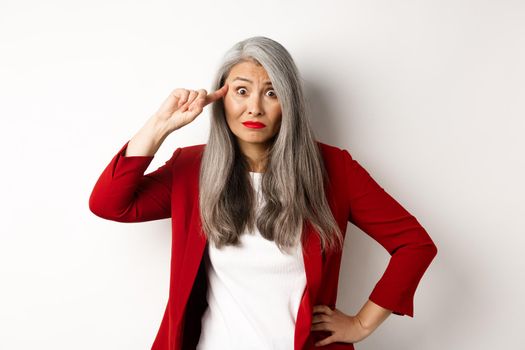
{"x": 364, "y": 324}
{"x": 157, "y": 128}
{"x": 148, "y": 139}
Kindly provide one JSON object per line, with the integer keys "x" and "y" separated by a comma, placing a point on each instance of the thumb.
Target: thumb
{"x": 214, "y": 96}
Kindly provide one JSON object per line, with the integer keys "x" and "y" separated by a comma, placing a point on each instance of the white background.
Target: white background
{"x": 427, "y": 95}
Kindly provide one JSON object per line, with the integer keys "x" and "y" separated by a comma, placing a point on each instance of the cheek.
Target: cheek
{"x": 277, "y": 113}
{"x": 276, "y": 123}
{"x": 276, "y": 107}
{"x": 232, "y": 105}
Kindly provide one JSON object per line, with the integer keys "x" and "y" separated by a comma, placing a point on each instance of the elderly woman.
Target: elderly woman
{"x": 259, "y": 215}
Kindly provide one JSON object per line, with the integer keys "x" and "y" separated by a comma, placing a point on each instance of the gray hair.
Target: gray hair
{"x": 293, "y": 182}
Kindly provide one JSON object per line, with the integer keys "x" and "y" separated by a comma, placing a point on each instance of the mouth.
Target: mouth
{"x": 254, "y": 125}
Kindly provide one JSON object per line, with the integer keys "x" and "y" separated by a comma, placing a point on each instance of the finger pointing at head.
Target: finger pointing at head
{"x": 214, "y": 96}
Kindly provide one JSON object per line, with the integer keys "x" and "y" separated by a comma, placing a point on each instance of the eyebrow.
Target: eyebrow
{"x": 248, "y": 80}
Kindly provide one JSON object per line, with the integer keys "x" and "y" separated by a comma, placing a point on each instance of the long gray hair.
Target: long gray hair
{"x": 293, "y": 181}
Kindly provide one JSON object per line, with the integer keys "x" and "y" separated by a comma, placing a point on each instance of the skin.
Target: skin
{"x": 347, "y": 328}
{"x": 254, "y": 100}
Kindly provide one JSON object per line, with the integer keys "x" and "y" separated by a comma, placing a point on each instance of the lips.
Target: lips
{"x": 254, "y": 125}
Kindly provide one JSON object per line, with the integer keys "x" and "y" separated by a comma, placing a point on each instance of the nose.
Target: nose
{"x": 254, "y": 105}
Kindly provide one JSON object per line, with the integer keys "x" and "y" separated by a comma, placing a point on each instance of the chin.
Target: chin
{"x": 254, "y": 140}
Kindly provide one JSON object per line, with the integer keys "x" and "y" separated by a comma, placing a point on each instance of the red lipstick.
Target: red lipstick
{"x": 254, "y": 125}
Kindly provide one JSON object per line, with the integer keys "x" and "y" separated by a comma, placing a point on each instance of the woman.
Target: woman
{"x": 259, "y": 215}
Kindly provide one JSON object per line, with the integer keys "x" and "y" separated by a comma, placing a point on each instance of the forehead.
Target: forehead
{"x": 249, "y": 70}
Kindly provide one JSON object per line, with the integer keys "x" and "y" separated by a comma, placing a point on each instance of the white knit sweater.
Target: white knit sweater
{"x": 254, "y": 293}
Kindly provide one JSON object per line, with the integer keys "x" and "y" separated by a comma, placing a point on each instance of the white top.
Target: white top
{"x": 254, "y": 293}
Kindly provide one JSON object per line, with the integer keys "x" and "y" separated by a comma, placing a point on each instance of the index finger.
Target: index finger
{"x": 214, "y": 96}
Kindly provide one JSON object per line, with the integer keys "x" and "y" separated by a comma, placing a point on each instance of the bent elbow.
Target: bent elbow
{"x": 104, "y": 210}
{"x": 96, "y": 207}
{"x": 434, "y": 249}
{"x": 430, "y": 250}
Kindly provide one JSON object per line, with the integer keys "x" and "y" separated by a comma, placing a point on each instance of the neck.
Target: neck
{"x": 256, "y": 155}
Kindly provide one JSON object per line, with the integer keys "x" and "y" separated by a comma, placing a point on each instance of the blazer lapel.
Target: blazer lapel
{"x": 196, "y": 241}
{"x": 312, "y": 257}
{"x": 312, "y": 261}
{"x": 313, "y": 267}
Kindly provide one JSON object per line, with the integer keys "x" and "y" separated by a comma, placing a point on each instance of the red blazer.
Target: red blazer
{"x": 124, "y": 194}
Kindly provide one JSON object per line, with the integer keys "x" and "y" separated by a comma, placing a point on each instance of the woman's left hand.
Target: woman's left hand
{"x": 344, "y": 328}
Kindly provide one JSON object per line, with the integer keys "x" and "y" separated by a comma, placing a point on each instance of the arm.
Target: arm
{"x": 411, "y": 249}
{"x": 123, "y": 193}
{"x": 371, "y": 316}
{"x": 148, "y": 139}
{"x": 347, "y": 328}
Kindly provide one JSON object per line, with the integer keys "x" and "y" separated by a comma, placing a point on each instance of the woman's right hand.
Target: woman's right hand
{"x": 182, "y": 106}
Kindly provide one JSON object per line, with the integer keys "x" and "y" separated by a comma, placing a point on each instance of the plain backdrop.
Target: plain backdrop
{"x": 427, "y": 95}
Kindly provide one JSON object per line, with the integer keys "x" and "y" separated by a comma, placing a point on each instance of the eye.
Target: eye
{"x": 241, "y": 88}
{"x": 273, "y": 92}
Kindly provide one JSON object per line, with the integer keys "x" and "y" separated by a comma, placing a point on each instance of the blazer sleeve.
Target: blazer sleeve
{"x": 410, "y": 247}
{"x": 123, "y": 193}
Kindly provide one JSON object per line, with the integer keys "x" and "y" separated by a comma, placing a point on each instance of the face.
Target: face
{"x": 252, "y": 109}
